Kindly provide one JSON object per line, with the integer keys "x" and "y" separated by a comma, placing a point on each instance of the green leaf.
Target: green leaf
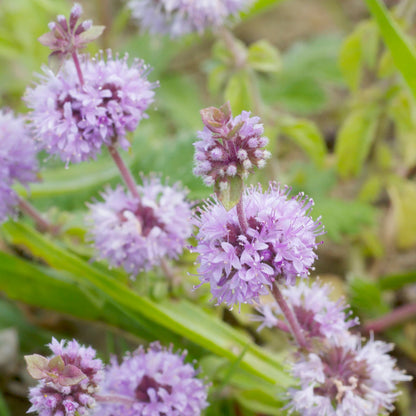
{"x": 4, "y": 411}
{"x": 264, "y": 57}
{"x": 230, "y": 196}
{"x": 403, "y": 197}
{"x": 342, "y": 217}
{"x": 397, "y": 281}
{"x": 179, "y": 316}
{"x": 260, "y": 6}
{"x": 259, "y": 402}
{"x": 306, "y": 134}
{"x": 47, "y": 288}
{"x": 238, "y": 92}
{"x": 354, "y": 139}
{"x": 366, "y": 298}
{"x": 350, "y": 60}
{"x": 401, "y": 48}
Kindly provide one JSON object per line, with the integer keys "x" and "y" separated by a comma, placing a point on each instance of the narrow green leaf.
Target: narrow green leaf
{"x": 401, "y": 48}
{"x": 397, "y": 281}
{"x": 4, "y": 411}
{"x": 403, "y": 197}
{"x": 354, "y": 139}
{"x": 50, "y": 289}
{"x": 264, "y": 57}
{"x": 306, "y": 134}
{"x": 350, "y": 60}
{"x": 181, "y": 317}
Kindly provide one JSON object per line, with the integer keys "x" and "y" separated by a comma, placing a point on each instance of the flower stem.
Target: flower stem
{"x": 124, "y": 171}
{"x": 41, "y": 223}
{"x": 115, "y": 398}
{"x": 237, "y": 52}
{"x": 78, "y": 67}
{"x": 395, "y": 317}
{"x": 241, "y": 216}
{"x": 289, "y": 315}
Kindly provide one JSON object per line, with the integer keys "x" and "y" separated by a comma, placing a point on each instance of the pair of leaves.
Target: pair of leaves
{"x": 40, "y": 367}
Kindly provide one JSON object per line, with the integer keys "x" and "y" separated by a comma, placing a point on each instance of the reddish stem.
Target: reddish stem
{"x": 282, "y": 326}
{"x": 289, "y": 315}
{"x": 397, "y": 316}
{"x": 41, "y": 223}
{"x": 115, "y": 398}
{"x": 78, "y": 68}
{"x": 241, "y": 216}
{"x": 124, "y": 171}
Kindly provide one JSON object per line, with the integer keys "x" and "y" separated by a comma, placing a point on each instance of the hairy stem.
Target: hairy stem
{"x": 115, "y": 398}
{"x": 395, "y": 317}
{"x": 78, "y": 67}
{"x": 230, "y": 42}
{"x": 289, "y": 315}
{"x": 124, "y": 171}
{"x": 41, "y": 223}
{"x": 242, "y": 216}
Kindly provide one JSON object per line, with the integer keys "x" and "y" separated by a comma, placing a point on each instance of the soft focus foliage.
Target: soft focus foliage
{"x": 330, "y": 85}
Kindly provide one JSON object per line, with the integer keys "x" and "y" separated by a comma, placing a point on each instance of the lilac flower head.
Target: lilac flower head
{"x": 279, "y": 243}
{"x": 74, "y": 120}
{"x": 138, "y": 234}
{"x": 346, "y": 379}
{"x": 316, "y": 313}
{"x": 18, "y": 159}
{"x": 180, "y": 17}
{"x": 228, "y": 146}
{"x": 158, "y": 382}
{"x": 67, "y": 36}
{"x": 68, "y": 381}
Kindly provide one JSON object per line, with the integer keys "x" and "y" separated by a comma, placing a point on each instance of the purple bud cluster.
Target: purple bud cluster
{"x": 18, "y": 159}
{"x": 278, "y": 245}
{"x": 228, "y": 146}
{"x": 138, "y": 233}
{"x": 180, "y": 17}
{"x": 75, "y": 120}
{"x": 66, "y": 36}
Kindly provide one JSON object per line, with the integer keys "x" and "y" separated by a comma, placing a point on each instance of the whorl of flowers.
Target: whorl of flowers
{"x": 137, "y": 234}
{"x": 279, "y": 243}
{"x": 159, "y": 383}
{"x": 317, "y": 314}
{"x": 346, "y": 378}
{"x": 69, "y": 36}
{"x": 18, "y": 159}
{"x": 228, "y": 146}
{"x": 74, "y": 120}
{"x": 180, "y": 17}
{"x": 68, "y": 380}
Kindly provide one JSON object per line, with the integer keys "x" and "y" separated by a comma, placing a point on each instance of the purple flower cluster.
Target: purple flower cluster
{"x": 346, "y": 378}
{"x": 137, "y": 234}
{"x": 279, "y": 243}
{"x": 317, "y": 314}
{"x": 70, "y": 382}
{"x": 228, "y": 146}
{"x": 18, "y": 160}
{"x": 74, "y": 121}
{"x": 180, "y": 17}
{"x": 158, "y": 383}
